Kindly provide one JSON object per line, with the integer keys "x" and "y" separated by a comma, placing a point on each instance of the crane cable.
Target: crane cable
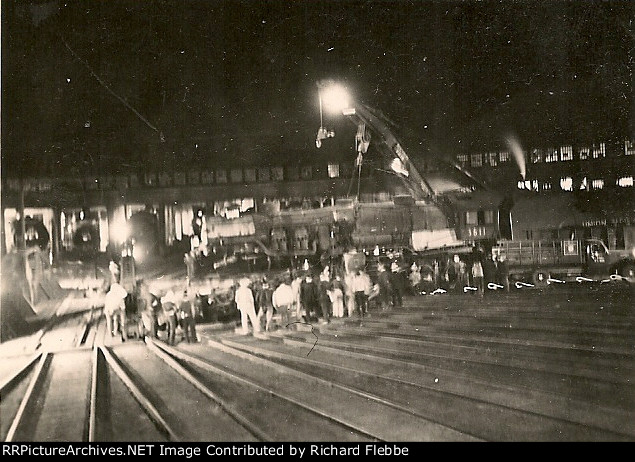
{"x": 110, "y": 90}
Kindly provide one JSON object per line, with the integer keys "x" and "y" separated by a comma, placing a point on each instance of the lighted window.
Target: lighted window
{"x": 528, "y": 184}
{"x": 566, "y": 153}
{"x": 583, "y": 153}
{"x": 492, "y": 158}
{"x": 488, "y": 217}
{"x": 551, "y": 155}
{"x": 546, "y": 186}
{"x": 625, "y": 181}
{"x": 536, "y": 156}
{"x": 334, "y": 170}
{"x": 629, "y": 148}
{"x": 534, "y": 185}
{"x": 599, "y": 150}
{"x": 521, "y": 185}
{"x": 584, "y": 184}
{"x": 566, "y": 184}
{"x": 471, "y": 218}
{"x": 597, "y": 184}
{"x": 476, "y": 160}
{"x": 247, "y": 204}
{"x": 503, "y": 156}
{"x": 463, "y": 159}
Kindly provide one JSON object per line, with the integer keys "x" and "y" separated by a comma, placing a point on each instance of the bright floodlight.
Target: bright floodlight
{"x": 335, "y": 98}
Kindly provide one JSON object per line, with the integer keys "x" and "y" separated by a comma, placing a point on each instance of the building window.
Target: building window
{"x": 551, "y": 155}
{"x": 463, "y": 159}
{"x": 334, "y": 170}
{"x": 503, "y": 156}
{"x": 546, "y": 186}
{"x": 221, "y": 176}
{"x": 277, "y": 174}
{"x": 583, "y": 153}
{"x": 521, "y": 184}
{"x": 165, "y": 179}
{"x": 599, "y": 151}
{"x": 566, "y": 153}
{"x": 492, "y": 158}
{"x": 236, "y": 175}
{"x": 566, "y": 184}
{"x": 584, "y": 184}
{"x": 488, "y": 217}
{"x": 536, "y": 156}
{"x": 629, "y": 148}
{"x": 179, "y": 178}
{"x": 150, "y": 179}
{"x": 293, "y": 173}
{"x": 597, "y": 184}
{"x": 250, "y": 175}
{"x": 476, "y": 160}
{"x": 625, "y": 181}
{"x": 207, "y": 177}
{"x": 471, "y": 218}
{"x": 193, "y": 177}
{"x": 307, "y": 172}
{"x": 263, "y": 174}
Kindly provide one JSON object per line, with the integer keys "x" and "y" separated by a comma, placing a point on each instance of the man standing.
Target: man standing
{"x": 168, "y": 304}
{"x": 245, "y": 303}
{"x": 398, "y": 285}
{"x": 362, "y": 286}
{"x": 115, "y": 310}
{"x": 385, "y": 287}
{"x": 265, "y": 303}
{"x": 187, "y": 313}
{"x": 324, "y": 285}
{"x": 282, "y": 300}
{"x": 503, "y": 272}
{"x": 309, "y": 297}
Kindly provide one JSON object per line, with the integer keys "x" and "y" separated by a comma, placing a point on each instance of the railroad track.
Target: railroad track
{"x": 484, "y": 407}
{"x": 152, "y": 392}
{"x": 460, "y": 374}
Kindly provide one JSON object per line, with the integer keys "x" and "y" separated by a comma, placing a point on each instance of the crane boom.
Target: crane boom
{"x": 365, "y": 117}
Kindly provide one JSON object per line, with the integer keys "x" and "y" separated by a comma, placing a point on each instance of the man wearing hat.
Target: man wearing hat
{"x": 187, "y": 314}
{"x": 398, "y": 285}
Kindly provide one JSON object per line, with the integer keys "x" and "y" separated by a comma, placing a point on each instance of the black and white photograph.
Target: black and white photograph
{"x": 315, "y": 228}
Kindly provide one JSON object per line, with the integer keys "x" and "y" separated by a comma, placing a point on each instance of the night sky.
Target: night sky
{"x": 96, "y": 86}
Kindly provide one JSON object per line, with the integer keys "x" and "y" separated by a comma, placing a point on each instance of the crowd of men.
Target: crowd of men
{"x": 306, "y": 296}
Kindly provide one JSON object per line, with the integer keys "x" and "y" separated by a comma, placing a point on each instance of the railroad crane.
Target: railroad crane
{"x": 457, "y": 203}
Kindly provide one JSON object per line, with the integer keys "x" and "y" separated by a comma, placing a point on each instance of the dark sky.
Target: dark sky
{"x": 91, "y": 85}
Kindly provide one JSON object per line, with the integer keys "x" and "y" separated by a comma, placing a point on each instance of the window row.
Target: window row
{"x": 193, "y": 177}
{"x": 538, "y": 155}
{"x": 569, "y": 184}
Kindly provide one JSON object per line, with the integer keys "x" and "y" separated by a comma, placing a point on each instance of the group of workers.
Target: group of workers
{"x": 305, "y": 297}
{"x": 147, "y": 312}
